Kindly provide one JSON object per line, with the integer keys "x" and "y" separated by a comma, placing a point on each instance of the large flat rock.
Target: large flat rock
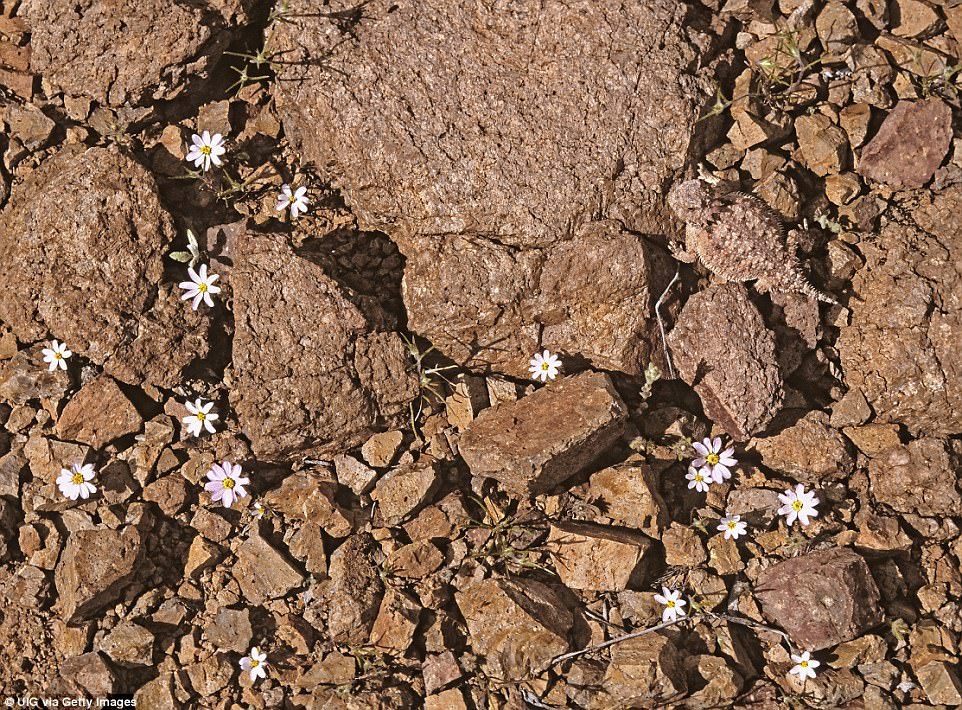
{"x": 482, "y": 138}
{"x": 85, "y": 264}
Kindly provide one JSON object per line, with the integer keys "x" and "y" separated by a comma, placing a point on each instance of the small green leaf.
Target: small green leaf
{"x": 181, "y": 256}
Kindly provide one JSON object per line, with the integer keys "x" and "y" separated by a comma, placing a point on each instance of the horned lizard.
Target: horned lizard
{"x": 738, "y": 238}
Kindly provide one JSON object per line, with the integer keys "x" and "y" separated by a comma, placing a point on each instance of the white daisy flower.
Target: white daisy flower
{"x": 200, "y": 287}
{"x": 804, "y": 666}
{"x": 698, "y": 479}
{"x": 295, "y": 199}
{"x": 544, "y": 366}
{"x": 56, "y": 355}
{"x": 798, "y": 505}
{"x": 200, "y": 417}
{"x": 673, "y": 603}
{"x": 255, "y": 663}
{"x": 206, "y": 149}
{"x": 712, "y": 459}
{"x": 225, "y": 484}
{"x": 259, "y": 511}
{"x": 75, "y": 483}
{"x": 733, "y": 526}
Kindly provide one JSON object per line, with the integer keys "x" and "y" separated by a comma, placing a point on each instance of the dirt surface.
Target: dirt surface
{"x": 736, "y": 223}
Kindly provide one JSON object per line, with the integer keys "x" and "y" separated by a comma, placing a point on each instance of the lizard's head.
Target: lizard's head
{"x": 689, "y": 200}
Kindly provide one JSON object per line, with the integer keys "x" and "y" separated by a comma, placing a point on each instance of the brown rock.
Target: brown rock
{"x": 132, "y": 51}
{"x": 470, "y": 281}
{"x": 822, "y": 145}
{"x": 821, "y": 599}
{"x": 723, "y": 555}
{"x": 628, "y": 494}
{"x": 941, "y": 683}
{"x": 349, "y": 378}
{"x": 380, "y": 449}
{"x": 646, "y": 671}
{"x": 439, "y": 671}
{"x": 721, "y": 346}
{"x": 683, "y": 547}
{"x": 157, "y": 693}
{"x": 910, "y": 144}
{"x": 912, "y": 18}
{"x": 98, "y": 414}
{"x": 393, "y": 629}
{"x": 899, "y": 350}
{"x": 211, "y": 525}
{"x": 354, "y": 597}
{"x": 415, "y": 561}
{"x": 230, "y": 630}
{"x": 545, "y": 438}
{"x": 129, "y": 644}
{"x": 809, "y": 450}
{"x": 470, "y": 396}
{"x": 517, "y": 626}
{"x": 836, "y": 27}
{"x": 594, "y": 557}
{"x": 202, "y": 555}
{"x": 404, "y": 490}
{"x": 919, "y": 478}
{"x": 210, "y": 675}
{"x": 307, "y": 545}
{"x": 24, "y": 377}
{"x": 95, "y": 567}
{"x": 452, "y": 699}
{"x": 97, "y": 291}
{"x": 307, "y": 496}
{"x": 90, "y": 673}
{"x": 169, "y": 492}
{"x": 353, "y": 474}
{"x": 264, "y": 573}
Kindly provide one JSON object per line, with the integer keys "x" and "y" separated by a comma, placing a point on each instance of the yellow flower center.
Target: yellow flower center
{"x": 731, "y": 524}
{"x": 200, "y": 416}
{"x": 57, "y": 356}
{"x": 545, "y": 366}
{"x": 804, "y": 664}
{"x": 77, "y": 478}
{"x": 228, "y": 483}
{"x": 202, "y": 287}
{"x": 254, "y": 663}
{"x": 712, "y": 459}
{"x": 796, "y": 505}
{"x": 205, "y": 149}
{"x": 670, "y": 604}
{"x": 699, "y": 478}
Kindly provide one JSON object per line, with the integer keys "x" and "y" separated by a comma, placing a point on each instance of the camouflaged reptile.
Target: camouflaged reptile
{"x": 738, "y": 238}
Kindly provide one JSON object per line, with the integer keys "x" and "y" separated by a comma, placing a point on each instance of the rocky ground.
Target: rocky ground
{"x": 424, "y": 525}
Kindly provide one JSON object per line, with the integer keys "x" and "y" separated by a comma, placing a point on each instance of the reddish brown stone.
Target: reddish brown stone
{"x": 541, "y": 440}
{"x": 98, "y": 414}
{"x": 348, "y": 379}
{"x": 473, "y": 237}
{"x": 910, "y": 145}
{"x": 821, "y": 599}
{"x": 722, "y": 347}
{"x": 920, "y": 478}
{"x": 102, "y": 291}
